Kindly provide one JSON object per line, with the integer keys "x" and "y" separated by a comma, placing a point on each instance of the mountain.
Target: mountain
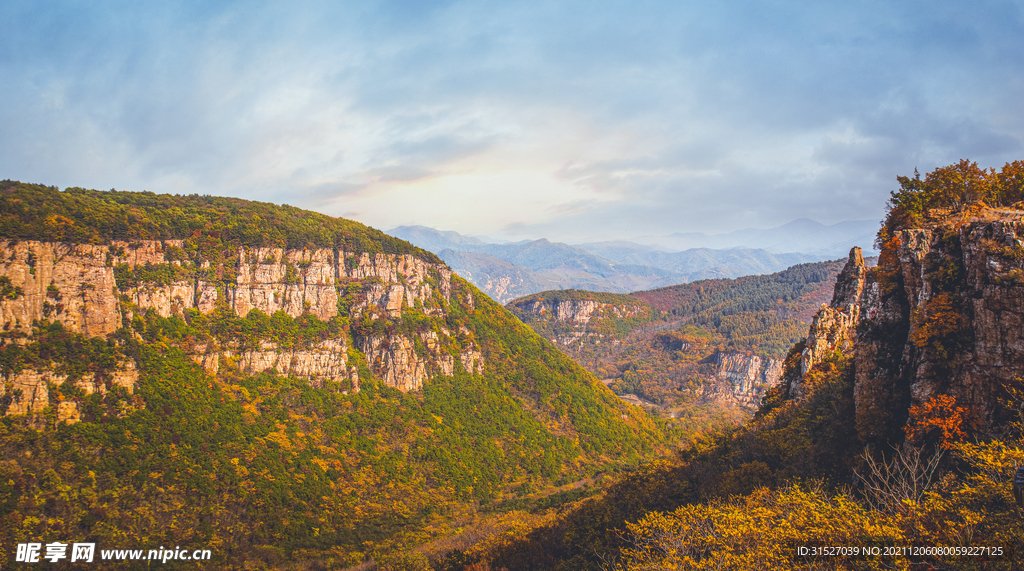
{"x": 699, "y": 263}
{"x": 507, "y": 271}
{"x": 690, "y": 351}
{"x": 801, "y": 235}
{"x": 282, "y": 387}
{"x": 504, "y": 280}
{"x": 437, "y": 240}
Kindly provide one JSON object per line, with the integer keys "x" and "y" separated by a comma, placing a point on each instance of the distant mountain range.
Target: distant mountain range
{"x": 801, "y": 235}
{"x": 506, "y": 271}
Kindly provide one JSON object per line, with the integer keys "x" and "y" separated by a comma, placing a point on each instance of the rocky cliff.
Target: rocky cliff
{"x": 96, "y": 289}
{"x": 943, "y": 313}
{"x": 834, "y": 327}
{"x": 749, "y": 376}
{"x": 573, "y": 319}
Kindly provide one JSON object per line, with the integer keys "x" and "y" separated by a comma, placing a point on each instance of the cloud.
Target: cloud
{"x": 559, "y": 119}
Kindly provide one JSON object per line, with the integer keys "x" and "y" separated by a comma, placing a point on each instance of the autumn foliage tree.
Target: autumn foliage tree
{"x": 763, "y": 529}
{"x": 953, "y": 187}
{"x": 941, "y": 421}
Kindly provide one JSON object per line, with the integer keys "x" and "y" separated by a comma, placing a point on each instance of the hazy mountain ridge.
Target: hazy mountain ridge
{"x": 504, "y": 280}
{"x": 801, "y": 235}
{"x": 704, "y": 263}
{"x": 618, "y": 267}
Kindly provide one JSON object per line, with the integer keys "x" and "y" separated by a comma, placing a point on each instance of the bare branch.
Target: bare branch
{"x": 888, "y": 486}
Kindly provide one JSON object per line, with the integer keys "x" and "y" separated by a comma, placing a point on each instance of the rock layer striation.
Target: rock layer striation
{"x": 83, "y": 287}
{"x": 943, "y": 313}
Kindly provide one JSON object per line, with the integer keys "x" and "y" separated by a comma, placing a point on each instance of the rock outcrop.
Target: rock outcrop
{"x": 575, "y": 311}
{"x": 748, "y": 375}
{"x": 943, "y": 313}
{"x": 834, "y": 327}
{"x": 323, "y": 362}
{"x": 945, "y": 317}
{"x": 75, "y": 283}
{"x": 94, "y": 290}
{"x": 574, "y": 322}
{"x": 28, "y": 390}
{"x": 70, "y": 283}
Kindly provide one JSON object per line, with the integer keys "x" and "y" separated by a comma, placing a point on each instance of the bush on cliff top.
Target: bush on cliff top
{"x": 951, "y": 187}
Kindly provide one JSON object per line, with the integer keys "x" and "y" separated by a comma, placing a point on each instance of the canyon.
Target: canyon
{"x": 593, "y": 327}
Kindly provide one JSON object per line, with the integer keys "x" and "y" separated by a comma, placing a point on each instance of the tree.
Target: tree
{"x": 956, "y": 186}
{"x": 1009, "y": 187}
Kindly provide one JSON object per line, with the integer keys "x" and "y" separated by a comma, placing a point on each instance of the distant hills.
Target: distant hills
{"x": 506, "y": 271}
{"x": 801, "y": 235}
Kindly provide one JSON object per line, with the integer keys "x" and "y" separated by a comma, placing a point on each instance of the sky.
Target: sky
{"x": 574, "y": 121}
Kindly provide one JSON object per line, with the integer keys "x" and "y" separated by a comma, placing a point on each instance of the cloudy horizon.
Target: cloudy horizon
{"x": 567, "y": 120}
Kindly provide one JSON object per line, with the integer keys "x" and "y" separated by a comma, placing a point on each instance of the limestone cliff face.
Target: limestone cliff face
{"x": 748, "y": 375}
{"x": 500, "y": 288}
{"x": 78, "y": 285}
{"x": 71, "y": 283}
{"x": 264, "y": 282}
{"x": 946, "y": 317}
{"x": 577, "y": 311}
{"x": 28, "y": 391}
{"x": 75, "y": 283}
{"x": 570, "y": 320}
{"x": 325, "y": 361}
{"x": 400, "y": 364}
{"x": 834, "y": 327}
{"x": 942, "y": 314}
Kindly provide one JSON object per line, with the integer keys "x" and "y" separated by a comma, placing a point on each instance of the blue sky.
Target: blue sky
{"x": 569, "y": 120}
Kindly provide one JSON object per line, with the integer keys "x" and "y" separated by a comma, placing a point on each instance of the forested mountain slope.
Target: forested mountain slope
{"x": 270, "y": 383}
{"x": 695, "y": 350}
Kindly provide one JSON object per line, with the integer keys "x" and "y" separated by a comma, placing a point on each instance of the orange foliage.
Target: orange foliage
{"x": 939, "y": 419}
{"x": 1010, "y": 183}
{"x": 59, "y": 226}
{"x": 937, "y": 320}
{"x": 960, "y": 184}
{"x": 889, "y": 264}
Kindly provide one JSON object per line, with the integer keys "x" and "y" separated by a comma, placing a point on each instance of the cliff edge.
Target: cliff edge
{"x": 941, "y": 314}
